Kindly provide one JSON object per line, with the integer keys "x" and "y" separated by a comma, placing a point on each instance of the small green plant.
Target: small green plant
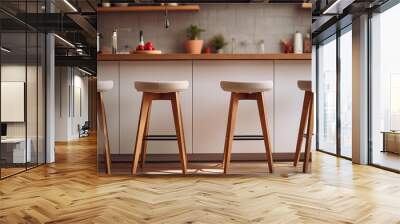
{"x": 218, "y": 42}
{"x": 193, "y": 32}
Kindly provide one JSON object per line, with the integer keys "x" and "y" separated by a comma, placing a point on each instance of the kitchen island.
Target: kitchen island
{"x": 204, "y": 104}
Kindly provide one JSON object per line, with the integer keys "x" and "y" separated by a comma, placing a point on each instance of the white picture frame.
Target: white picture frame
{"x": 12, "y": 101}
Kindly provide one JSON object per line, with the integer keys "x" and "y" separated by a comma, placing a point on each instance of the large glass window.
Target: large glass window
{"x": 334, "y": 60}
{"x": 385, "y": 89}
{"x": 346, "y": 93}
{"x": 327, "y": 96}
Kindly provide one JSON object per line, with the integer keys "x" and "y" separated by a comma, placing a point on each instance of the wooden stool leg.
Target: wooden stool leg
{"x": 264, "y": 127}
{"x": 146, "y": 132}
{"x": 146, "y": 101}
{"x": 103, "y": 125}
{"x": 233, "y": 105}
{"x": 310, "y": 128}
{"x": 176, "y": 108}
{"x": 303, "y": 122}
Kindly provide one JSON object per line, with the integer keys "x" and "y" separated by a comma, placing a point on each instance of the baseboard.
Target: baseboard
{"x": 207, "y": 157}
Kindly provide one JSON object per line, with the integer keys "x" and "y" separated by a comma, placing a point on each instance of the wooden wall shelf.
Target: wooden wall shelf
{"x": 188, "y": 8}
{"x": 182, "y": 56}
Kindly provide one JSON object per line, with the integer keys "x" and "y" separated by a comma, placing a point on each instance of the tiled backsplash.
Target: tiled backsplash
{"x": 244, "y": 26}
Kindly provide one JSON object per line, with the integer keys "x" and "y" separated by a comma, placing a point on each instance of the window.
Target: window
{"x": 394, "y": 102}
{"x": 327, "y": 96}
{"x": 385, "y": 89}
{"x": 334, "y": 58}
{"x": 346, "y": 95}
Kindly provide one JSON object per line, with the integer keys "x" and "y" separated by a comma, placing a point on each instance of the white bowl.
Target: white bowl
{"x": 106, "y": 4}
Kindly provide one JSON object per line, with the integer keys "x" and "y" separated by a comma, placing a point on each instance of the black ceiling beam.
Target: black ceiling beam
{"x": 49, "y": 22}
{"x": 8, "y": 24}
{"x": 77, "y": 61}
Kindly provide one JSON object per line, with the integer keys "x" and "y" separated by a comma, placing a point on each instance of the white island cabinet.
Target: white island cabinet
{"x": 288, "y": 102}
{"x": 211, "y": 105}
{"x": 204, "y": 103}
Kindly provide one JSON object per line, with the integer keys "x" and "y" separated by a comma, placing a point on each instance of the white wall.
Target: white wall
{"x": 12, "y": 73}
{"x": 70, "y": 83}
{"x": 16, "y": 73}
{"x": 79, "y": 117}
{"x": 33, "y": 126}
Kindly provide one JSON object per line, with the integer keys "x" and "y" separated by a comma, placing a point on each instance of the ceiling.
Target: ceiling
{"x": 328, "y": 17}
{"x": 76, "y": 24}
{"x": 147, "y": 2}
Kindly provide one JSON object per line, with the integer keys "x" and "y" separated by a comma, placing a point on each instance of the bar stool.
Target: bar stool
{"x": 159, "y": 91}
{"x": 246, "y": 91}
{"x": 307, "y": 118}
{"x": 103, "y": 86}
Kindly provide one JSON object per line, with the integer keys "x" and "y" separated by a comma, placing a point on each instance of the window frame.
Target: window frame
{"x": 334, "y": 37}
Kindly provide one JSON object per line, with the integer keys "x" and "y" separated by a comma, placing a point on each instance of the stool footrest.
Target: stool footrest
{"x": 160, "y": 138}
{"x": 248, "y": 137}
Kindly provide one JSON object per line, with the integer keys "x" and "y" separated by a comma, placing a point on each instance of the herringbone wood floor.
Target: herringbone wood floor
{"x": 70, "y": 191}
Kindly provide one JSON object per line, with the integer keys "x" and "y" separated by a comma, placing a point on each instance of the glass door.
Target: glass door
{"x": 22, "y": 78}
{"x": 14, "y": 153}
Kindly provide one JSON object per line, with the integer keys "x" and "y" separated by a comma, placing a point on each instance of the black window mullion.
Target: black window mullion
{"x": 26, "y": 88}
{"x": 37, "y": 90}
{"x": 317, "y": 94}
{"x": 1, "y": 53}
{"x": 338, "y": 91}
{"x": 369, "y": 91}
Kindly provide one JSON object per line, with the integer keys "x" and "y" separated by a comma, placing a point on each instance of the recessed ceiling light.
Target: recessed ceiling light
{"x": 5, "y": 50}
{"x": 65, "y": 41}
{"x": 84, "y": 71}
{"x": 70, "y": 5}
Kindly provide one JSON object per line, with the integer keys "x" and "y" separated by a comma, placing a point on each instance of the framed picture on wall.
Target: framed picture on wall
{"x": 12, "y": 101}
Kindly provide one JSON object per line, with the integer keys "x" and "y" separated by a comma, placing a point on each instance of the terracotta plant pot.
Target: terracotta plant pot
{"x": 194, "y": 46}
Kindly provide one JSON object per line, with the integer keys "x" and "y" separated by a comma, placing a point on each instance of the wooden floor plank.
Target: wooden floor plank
{"x": 71, "y": 191}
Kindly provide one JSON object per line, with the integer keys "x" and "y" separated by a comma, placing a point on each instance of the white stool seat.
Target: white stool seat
{"x": 247, "y": 87}
{"x": 161, "y": 86}
{"x": 305, "y": 85}
{"x": 103, "y": 86}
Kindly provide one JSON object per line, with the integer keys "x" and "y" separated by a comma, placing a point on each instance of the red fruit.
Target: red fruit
{"x": 148, "y": 46}
{"x": 140, "y": 48}
{"x": 153, "y": 49}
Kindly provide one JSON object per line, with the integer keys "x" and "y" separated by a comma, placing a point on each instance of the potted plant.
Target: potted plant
{"x": 218, "y": 43}
{"x": 194, "y": 45}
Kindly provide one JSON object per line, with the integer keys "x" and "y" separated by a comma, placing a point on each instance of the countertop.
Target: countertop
{"x": 183, "y": 56}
